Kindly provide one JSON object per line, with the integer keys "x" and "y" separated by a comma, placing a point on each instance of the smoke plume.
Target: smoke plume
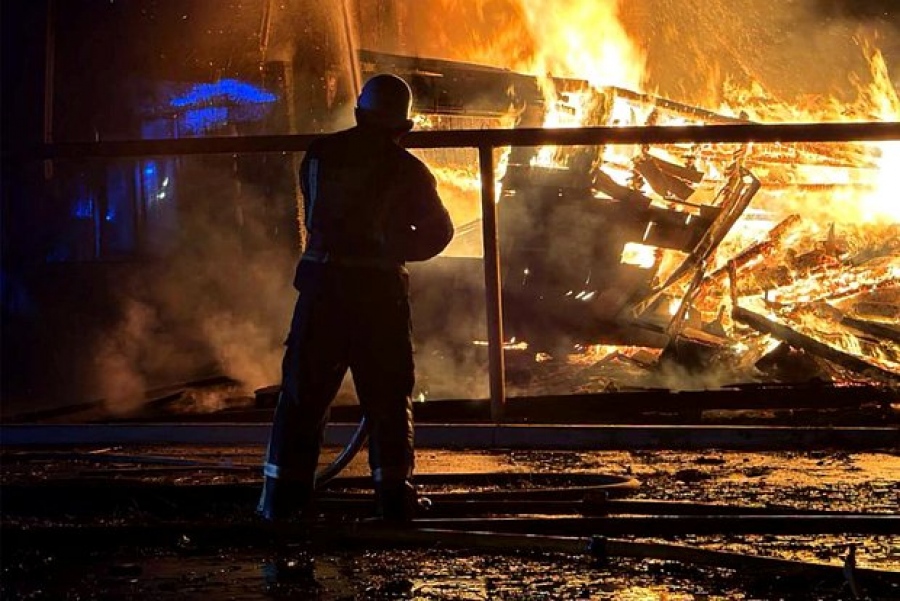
{"x": 219, "y": 303}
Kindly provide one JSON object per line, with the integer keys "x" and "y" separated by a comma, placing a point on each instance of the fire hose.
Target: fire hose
{"x": 603, "y": 548}
{"x": 506, "y": 519}
{"x": 370, "y": 534}
{"x": 503, "y": 519}
{"x": 354, "y": 445}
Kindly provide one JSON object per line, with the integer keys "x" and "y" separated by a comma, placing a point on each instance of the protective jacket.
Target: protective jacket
{"x": 369, "y": 201}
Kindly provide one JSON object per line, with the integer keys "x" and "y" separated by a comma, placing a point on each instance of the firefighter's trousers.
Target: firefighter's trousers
{"x": 354, "y": 317}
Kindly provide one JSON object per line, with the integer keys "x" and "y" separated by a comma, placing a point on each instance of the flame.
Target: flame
{"x": 584, "y": 40}
{"x": 866, "y": 177}
{"x": 884, "y": 202}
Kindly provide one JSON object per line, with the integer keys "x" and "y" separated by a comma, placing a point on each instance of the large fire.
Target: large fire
{"x": 817, "y": 248}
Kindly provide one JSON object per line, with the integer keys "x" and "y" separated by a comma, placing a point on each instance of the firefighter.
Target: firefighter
{"x": 369, "y": 207}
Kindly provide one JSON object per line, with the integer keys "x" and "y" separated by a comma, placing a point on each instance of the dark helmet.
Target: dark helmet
{"x": 385, "y": 101}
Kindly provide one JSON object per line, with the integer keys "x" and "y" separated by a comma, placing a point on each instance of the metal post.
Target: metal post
{"x": 49, "y": 80}
{"x": 355, "y": 74}
{"x": 497, "y": 371}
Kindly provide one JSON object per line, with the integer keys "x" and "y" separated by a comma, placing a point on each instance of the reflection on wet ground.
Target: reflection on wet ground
{"x": 804, "y": 480}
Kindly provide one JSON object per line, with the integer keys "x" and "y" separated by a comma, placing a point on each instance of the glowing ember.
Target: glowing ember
{"x": 639, "y": 254}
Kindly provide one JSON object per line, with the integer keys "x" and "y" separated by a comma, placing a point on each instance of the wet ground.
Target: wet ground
{"x": 237, "y": 570}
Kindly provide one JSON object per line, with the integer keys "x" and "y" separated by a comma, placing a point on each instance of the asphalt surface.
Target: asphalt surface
{"x": 833, "y": 481}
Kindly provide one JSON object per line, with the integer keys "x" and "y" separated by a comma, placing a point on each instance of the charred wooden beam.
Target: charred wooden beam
{"x": 873, "y": 328}
{"x": 846, "y": 282}
{"x": 673, "y": 107}
{"x": 634, "y": 198}
{"x": 769, "y": 159}
{"x": 735, "y": 196}
{"x": 667, "y": 179}
{"x": 796, "y": 339}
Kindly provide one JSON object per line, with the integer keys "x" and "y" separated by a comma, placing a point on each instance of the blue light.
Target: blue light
{"x": 150, "y": 169}
{"x": 84, "y": 209}
{"x": 230, "y": 90}
{"x": 202, "y": 119}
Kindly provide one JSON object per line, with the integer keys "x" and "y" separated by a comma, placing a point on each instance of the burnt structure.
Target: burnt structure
{"x": 565, "y": 222}
{"x": 571, "y": 219}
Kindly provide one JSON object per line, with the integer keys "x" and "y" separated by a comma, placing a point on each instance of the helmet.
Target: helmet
{"x": 385, "y": 101}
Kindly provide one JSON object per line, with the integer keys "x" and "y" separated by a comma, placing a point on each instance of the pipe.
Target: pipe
{"x": 98, "y": 494}
{"x": 590, "y": 505}
{"x": 495, "y": 138}
{"x": 355, "y": 76}
{"x": 373, "y": 533}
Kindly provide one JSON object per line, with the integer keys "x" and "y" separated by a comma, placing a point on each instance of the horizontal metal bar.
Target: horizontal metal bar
{"x": 473, "y": 436}
{"x": 728, "y": 133}
{"x": 577, "y": 408}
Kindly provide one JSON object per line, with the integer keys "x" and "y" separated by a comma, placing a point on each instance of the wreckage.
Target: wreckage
{"x": 661, "y": 251}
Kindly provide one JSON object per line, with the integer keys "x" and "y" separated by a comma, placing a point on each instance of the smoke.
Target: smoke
{"x": 488, "y": 32}
{"x": 243, "y": 348}
{"x": 448, "y": 315}
{"x": 219, "y": 303}
{"x": 715, "y": 374}
{"x": 448, "y": 367}
{"x": 122, "y": 383}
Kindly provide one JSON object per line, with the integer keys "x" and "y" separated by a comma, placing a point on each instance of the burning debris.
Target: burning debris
{"x": 711, "y": 256}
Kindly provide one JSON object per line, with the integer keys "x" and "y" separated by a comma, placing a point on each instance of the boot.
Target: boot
{"x": 395, "y": 501}
{"x": 282, "y": 499}
{"x": 290, "y": 563}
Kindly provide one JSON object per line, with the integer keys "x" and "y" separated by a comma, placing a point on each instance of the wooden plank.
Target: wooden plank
{"x": 811, "y": 345}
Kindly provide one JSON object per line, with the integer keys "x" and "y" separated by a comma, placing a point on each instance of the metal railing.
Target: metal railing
{"x": 485, "y": 141}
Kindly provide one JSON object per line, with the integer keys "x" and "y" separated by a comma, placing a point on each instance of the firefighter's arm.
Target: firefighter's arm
{"x": 427, "y": 229}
